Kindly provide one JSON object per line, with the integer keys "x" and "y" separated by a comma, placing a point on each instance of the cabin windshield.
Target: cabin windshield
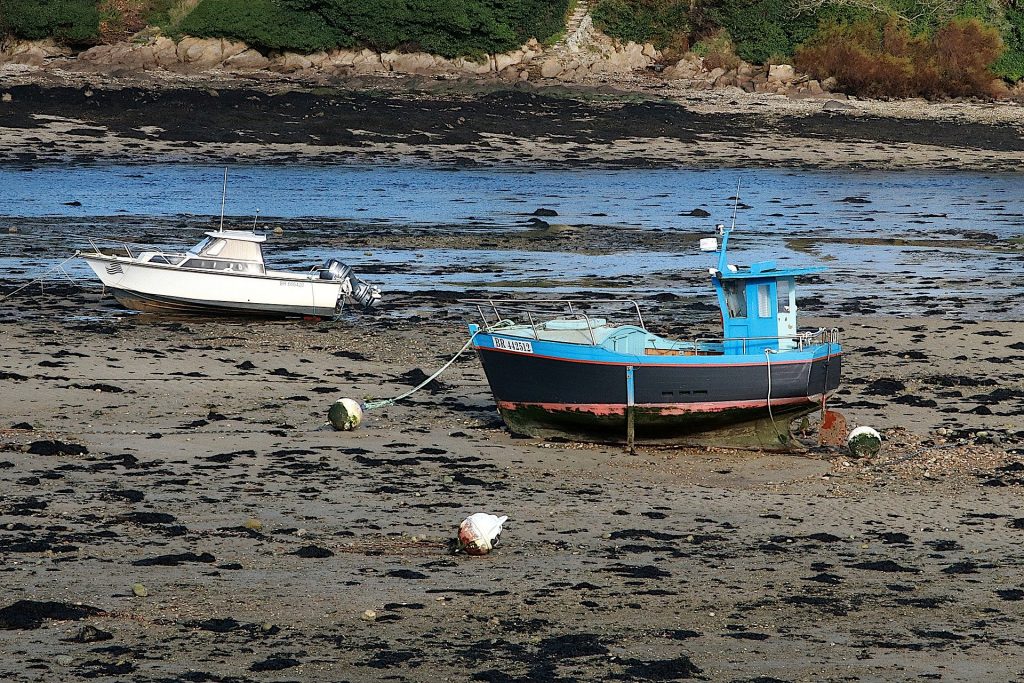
{"x": 202, "y": 245}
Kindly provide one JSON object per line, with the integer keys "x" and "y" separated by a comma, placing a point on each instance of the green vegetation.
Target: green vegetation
{"x": 265, "y": 24}
{"x": 444, "y": 27}
{"x": 665, "y": 23}
{"x": 883, "y": 58}
{"x": 72, "y": 20}
{"x": 870, "y": 46}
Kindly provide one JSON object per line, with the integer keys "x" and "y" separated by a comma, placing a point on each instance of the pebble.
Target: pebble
{"x": 253, "y": 524}
{"x": 369, "y": 615}
{"x": 139, "y": 591}
{"x": 63, "y": 660}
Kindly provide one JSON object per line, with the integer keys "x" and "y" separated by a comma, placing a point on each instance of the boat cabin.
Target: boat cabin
{"x": 235, "y": 251}
{"x": 758, "y": 304}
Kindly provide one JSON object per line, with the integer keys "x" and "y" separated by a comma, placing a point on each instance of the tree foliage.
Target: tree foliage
{"x": 665, "y": 23}
{"x": 445, "y": 27}
{"x": 71, "y": 20}
{"x": 883, "y": 58}
{"x": 265, "y": 24}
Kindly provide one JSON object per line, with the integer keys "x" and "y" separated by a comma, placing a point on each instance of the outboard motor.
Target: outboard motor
{"x": 352, "y": 287}
{"x": 335, "y": 270}
{"x": 365, "y": 294}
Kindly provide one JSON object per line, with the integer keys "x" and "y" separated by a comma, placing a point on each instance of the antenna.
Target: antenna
{"x": 735, "y": 205}
{"x": 256, "y": 218}
{"x": 223, "y": 196}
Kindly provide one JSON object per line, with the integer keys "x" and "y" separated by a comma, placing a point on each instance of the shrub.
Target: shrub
{"x": 718, "y": 51}
{"x": 263, "y": 24}
{"x": 882, "y": 58}
{"x": 71, "y": 20}
{"x": 167, "y": 14}
{"x": 1011, "y": 64}
{"x": 965, "y": 49}
{"x": 760, "y": 29}
{"x": 446, "y": 27}
{"x": 665, "y": 23}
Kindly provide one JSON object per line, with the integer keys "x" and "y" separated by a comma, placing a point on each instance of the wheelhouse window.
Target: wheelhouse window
{"x": 735, "y": 299}
{"x": 782, "y": 295}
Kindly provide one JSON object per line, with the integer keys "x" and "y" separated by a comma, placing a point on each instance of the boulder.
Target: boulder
{"x": 248, "y": 60}
{"x": 230, "y": 48}
{"x": 509, "y": 74}
{"x": 31, "y": 56}
{"x": 342, "y": 57}
{"x": 138, "y": 59}
{"x": 98, "y": 54}
{"x": 470, "y": 66}
{"x": 781, "y": 73}
{"x": 419, "y": 63}
{"x": 319, "y": 60}
{"x": 684, "y": 68}
{"x": 165, "y": 51}
{"x": 507, "y": 59}
{"x": 367, "y": 61}
{"x": 201, "y": 52}
{"x": 291, "y": 62}
{"x": 550, "y": 68}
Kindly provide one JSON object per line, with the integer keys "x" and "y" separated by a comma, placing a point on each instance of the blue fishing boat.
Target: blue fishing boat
{"x": 576, "y": 376}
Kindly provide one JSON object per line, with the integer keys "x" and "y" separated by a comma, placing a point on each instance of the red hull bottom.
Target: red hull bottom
{"x": 739, "y": 424}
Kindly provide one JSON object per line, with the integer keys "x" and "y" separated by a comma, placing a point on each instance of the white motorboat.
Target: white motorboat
{"x": 225, "y": 273}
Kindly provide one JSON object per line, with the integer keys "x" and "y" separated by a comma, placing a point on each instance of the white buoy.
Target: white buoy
{"x": 345, "y": 415}
{"x": 864, "y": 442}
{"x": 479, "y": 532}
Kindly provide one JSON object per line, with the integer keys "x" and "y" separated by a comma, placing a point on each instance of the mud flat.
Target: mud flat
{"x": 414, "y": 120}
{"x": 171, "y": 508}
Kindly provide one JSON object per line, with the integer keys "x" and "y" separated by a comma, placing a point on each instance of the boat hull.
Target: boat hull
{"x": 700, "y": 400}
{"x": 158, "y": 288}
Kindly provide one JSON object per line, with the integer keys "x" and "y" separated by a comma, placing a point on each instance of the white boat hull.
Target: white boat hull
{"x": 156, "y": 287}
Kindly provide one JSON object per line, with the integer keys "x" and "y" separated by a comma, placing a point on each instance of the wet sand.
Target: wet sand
{"x": 190, "y": 456}
{"x": 390, "y": 121}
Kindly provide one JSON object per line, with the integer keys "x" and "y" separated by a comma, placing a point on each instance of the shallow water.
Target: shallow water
{"x": 962, "y": 279}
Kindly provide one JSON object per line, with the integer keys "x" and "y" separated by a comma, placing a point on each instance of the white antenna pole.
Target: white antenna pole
{"x": 223, "y": 196}
{"x": 735, "y": 205}
{"x": 256, "y": 218}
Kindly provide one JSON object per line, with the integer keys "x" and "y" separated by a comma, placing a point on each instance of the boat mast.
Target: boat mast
{"x": 722, "y": 258}
{"x": 223, "y": 196}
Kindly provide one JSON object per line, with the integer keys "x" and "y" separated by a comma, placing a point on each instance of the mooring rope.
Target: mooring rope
{"x": 38, "y": 280}
{"x": 768, "y": 367}
{"x": 380, "y": 403}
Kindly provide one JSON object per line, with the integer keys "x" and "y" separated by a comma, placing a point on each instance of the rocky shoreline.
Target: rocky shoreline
{"x": 68, "y": 118}
{"x": 681, "y": 112}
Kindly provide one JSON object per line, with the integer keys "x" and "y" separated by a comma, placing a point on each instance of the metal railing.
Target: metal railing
{"x": 122, "y": 244}
{"x": 493, "y": 312}
{"x": 503, "y": 310}
{"x": 821, "y": 335}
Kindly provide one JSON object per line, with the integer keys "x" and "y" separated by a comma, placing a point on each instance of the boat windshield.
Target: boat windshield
{"x": 202, "y": 245}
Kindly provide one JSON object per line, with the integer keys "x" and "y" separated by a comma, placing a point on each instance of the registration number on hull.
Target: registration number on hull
{"x": 516, "y": 345}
